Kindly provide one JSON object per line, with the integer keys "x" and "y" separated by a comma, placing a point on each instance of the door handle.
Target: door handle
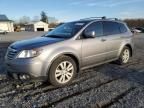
{"x": 103, "y": 40}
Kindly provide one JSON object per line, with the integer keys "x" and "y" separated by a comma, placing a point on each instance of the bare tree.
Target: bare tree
{"x": 135, "y": 22}
{"x": 24, "y": 20}
{"x": 36, "y": 19}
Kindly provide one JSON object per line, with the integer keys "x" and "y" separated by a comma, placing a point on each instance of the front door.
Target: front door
{"x": 93, "y": 49}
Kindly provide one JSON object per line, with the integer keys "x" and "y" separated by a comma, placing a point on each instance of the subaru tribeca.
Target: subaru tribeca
{"x": 71, "y": 47}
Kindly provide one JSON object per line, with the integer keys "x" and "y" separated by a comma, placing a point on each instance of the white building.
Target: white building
{"x": 6, "y": 24}
{"x": 37, "y": 26}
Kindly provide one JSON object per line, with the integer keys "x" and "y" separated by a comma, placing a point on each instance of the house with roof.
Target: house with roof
{"x": 37, "y": 26}
{"x": 6, "y": 24}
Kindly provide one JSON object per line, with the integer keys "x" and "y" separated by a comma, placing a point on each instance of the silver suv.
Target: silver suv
{"x": 71, "y": 47}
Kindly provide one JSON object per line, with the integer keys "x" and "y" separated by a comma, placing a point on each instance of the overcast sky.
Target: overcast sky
{"x": 67, "y": 10}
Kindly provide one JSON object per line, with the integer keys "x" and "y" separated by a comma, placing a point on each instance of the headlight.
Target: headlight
{"x": 28, "y": 53}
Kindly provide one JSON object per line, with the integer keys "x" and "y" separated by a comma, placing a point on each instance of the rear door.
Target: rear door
{"x": 113, "y": 37}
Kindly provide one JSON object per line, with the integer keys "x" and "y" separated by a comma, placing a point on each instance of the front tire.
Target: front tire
{"x": 62, "y": 71}
{"x": 124, "y": 56}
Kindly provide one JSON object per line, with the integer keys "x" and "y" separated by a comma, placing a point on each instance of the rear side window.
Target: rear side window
{"x": 123, "y": 28}
{"x": 97, "y": 27}
{"x": 111, "y": 28}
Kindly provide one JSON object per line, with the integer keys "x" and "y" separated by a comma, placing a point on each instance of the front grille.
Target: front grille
{"x": 11, "y": 53}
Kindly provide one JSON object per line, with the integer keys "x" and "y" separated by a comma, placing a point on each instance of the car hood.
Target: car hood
{"x": 34, "y": 43}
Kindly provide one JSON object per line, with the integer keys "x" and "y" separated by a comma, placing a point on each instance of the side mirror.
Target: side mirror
{"x": 89, "y": 34}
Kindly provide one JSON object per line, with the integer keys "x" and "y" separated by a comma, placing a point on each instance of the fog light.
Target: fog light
{"x": 27, "y": 77}
{"x": 24, "y": 77}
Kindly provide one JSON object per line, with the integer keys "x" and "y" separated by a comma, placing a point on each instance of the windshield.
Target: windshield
{"x": 66, "y": 30}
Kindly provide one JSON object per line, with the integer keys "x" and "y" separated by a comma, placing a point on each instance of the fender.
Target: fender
{"x": 56, "y": 54}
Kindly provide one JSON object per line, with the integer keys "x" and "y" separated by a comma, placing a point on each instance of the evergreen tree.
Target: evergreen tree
{"x": 44, "y": 17}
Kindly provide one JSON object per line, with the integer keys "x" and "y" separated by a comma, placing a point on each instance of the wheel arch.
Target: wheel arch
{"x": 131, "y": 50}
{"x": 76, "y": 60}
{"x": 126, "y": 45}
{"x": 73, "y": 56}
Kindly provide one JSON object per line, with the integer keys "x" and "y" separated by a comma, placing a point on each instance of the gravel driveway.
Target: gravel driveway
{"x": 106, "y": 86}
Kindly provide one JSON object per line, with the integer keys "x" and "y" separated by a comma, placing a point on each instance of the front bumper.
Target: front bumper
{"x": 31, "y": 67}
{"x": 26, "y": 77}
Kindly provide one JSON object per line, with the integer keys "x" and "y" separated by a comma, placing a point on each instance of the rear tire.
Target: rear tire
{"x": 124, "y": 56}
{"x": 62, "y": 71}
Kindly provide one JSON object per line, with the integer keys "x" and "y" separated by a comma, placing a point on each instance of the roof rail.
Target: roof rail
{"x": 104, "y": 17}
{"x": 113, "y": 19}
{"x": 94, "y": 18}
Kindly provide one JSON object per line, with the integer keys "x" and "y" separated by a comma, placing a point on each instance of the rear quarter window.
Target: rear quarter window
{"x": 123, "y": 28}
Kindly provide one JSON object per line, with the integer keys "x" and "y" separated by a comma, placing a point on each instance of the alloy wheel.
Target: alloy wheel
{"x": 125, "y": 55}
{"x": 64, "y": 72}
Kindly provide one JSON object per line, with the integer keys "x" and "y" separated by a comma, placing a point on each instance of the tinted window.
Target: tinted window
{"x": 123, "y": 29}
{"x": 97, "y": 27}
{"x": 111, "y": 28}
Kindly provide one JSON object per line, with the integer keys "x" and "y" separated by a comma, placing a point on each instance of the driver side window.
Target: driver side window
{"x": 96, "y": 27}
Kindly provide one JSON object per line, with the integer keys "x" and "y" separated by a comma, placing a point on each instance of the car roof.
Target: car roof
{"x": 94, "y": 19}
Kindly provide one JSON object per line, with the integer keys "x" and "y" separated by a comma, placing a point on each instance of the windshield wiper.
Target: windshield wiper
{"x": 55, "y": 36}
